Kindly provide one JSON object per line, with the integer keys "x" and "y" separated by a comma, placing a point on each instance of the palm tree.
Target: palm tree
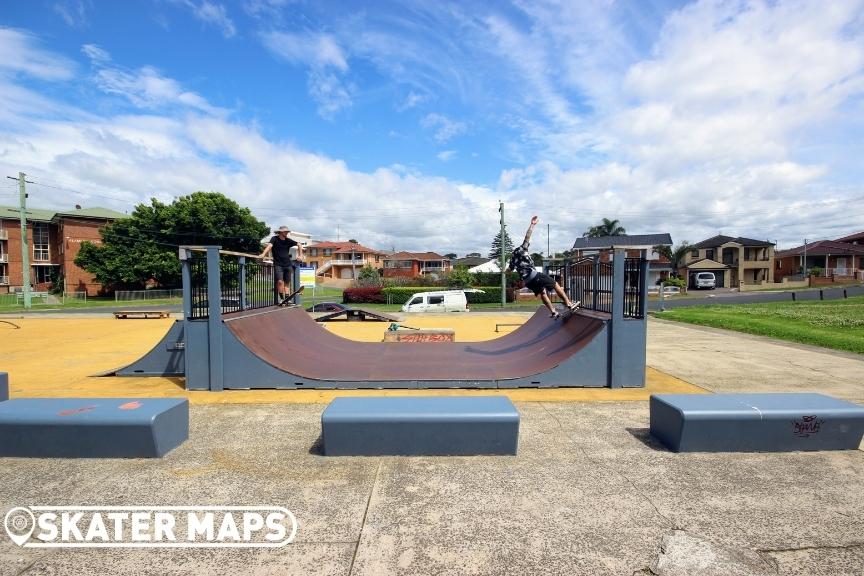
{"x": 607, "y": 228}
{"x": 674, "y": 255}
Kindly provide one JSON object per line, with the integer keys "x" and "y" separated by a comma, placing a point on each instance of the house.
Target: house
{"x": 470, "y": 261}
{"x": 857, "y": 238}
{"x": 659, "y": 267}
{"x": 412, "y": 264}
{"x": 734, "y": 261}
{"x": 341, "y": 260}
{"x": 54, "y": 239}
{"x": 837, "y": 259}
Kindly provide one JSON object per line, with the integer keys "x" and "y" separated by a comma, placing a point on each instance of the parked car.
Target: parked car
{"x": 441, "y": 301}
{"x": 328, "y": 307}
{"x": 705, "y": 280}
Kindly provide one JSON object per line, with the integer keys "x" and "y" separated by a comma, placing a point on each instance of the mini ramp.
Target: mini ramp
{"x": 285, "y": 348}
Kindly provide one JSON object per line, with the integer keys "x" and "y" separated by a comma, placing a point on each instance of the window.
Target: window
{"x": 313, "y": 252}
{"x": 779, "y": 264}
{"x": 328, "y": 251}
{"x": 377, "y": 258}
{"x": 417, "y": 300}
{"x": 694, "y": 253}
{"x": 40, "y": 242}
{"x": 406, "y": 263}
{"x": 436, "y": 299}
{"x": 390, "y": 263}
{"x": 709, "y": 254}
{"x": 43, "y": 274}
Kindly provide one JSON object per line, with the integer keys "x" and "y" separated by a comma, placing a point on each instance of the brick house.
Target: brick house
{"x": 734, "y": 261}
{"x": 839, "y": 259}
{"x": 54, "y": 239}
{"x": 413, "y": 264}
{"x": 341, "y": 260}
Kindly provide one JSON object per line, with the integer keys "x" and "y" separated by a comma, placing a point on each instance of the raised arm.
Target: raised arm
{"x": 527, "y": 240}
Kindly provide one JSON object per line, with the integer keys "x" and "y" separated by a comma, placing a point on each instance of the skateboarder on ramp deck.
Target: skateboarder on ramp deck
{"x": 538, "y": 282}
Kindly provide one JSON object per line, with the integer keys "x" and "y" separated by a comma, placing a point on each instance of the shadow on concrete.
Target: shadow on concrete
{"x": 644, "y": 436}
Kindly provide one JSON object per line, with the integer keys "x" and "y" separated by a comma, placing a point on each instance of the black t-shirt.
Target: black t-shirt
{"x": 282, "y": 250}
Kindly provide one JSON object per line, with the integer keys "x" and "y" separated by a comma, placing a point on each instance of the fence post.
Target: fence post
{"x": 595, "y": 282}
{"x": 214, "y": 321}
{"x": 241, "y": 262}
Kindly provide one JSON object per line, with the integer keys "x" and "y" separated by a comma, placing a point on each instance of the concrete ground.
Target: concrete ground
{"x": 589, "y": 493}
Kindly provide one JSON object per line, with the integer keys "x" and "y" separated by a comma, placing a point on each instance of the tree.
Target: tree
{"x": 353, "y": 241}
{"x": 677, "y": 255}
{"x": 537, "y": 257}
{"x": 450, "y": 255}
{"x": 459, "y": 277}
{"x": 496, "y": 245}
{"x": 144, "y": 246}
{"x": 607, "y": 228}
{"x": 368, "y": 276}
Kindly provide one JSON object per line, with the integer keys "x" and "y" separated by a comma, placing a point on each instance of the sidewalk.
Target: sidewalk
{"x": 590, "y": 493}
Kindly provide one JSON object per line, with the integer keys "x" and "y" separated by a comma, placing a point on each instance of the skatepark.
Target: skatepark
{"x": 590, "y": 490}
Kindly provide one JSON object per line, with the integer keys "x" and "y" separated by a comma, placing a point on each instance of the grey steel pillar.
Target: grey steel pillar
{"x": 214, "y": 320}
{"x": 627, "y": 336}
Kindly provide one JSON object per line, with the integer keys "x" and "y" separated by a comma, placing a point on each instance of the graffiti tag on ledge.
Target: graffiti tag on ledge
{"x": 806, "y": 426}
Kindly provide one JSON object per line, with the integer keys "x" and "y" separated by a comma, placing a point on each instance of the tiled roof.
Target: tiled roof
{"x": 852, "y": 237}
{"x": 344, "y": 247}
{"x": 623, "y": 241}
{"x": 720, "y": 239}
{"x": 822, "y": 248}
{"x": 470, "y": 261}
{"x": 416, "y": 256}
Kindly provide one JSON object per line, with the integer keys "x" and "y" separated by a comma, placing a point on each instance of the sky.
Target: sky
{"x": 404, "y": 124}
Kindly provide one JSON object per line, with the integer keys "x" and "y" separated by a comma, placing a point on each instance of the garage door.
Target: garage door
{"x": 718, "y": 278}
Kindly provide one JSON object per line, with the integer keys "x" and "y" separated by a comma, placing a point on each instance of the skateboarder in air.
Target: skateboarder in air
{"x": 538, "y": 282}
{"x": 281, "y": 246}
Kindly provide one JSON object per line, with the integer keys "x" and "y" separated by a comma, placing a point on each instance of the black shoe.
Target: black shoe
{"x": 555, "y": 315}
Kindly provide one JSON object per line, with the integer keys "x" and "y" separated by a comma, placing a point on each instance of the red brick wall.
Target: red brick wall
{"x": 74, "y": 232}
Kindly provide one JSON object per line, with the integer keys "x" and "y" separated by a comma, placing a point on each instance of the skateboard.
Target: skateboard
{"x": 288, "y": 299}
{"x": 566, "y": 313}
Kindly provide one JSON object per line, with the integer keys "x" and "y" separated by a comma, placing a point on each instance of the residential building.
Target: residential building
{"x": 412, "y": 264}
{"x": 342, "y": 260}
{"x": 837, "y": 259}
{"x": 54, "y": 239}
{"x": 659, "y": 267}
{"x": 734, "y": 261}
{"x": 857, "y": 238}
{"x": 470, "y": 261}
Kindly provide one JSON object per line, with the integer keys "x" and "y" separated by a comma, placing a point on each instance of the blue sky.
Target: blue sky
{"x": 402, "y": 124}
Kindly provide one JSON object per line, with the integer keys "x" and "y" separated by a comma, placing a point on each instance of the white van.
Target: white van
{"x": 705, "y": 280}
{"x": 442, "y": 301}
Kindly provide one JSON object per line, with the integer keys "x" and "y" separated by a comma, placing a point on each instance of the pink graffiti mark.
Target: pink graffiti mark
{"x": 134, "y": 405}
{"x": 72, "y": 411}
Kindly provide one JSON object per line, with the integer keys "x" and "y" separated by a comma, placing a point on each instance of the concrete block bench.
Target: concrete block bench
{"x": 420, "y": 426}
{"x": 92, "y": 427}
{"x": 4, "y": 386}
{"x": 780, "y": 422}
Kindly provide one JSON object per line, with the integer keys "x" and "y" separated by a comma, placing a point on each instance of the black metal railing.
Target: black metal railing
{"x": 633, "y": 287}
{"x": 586, "y": 279}
{"x": 243, "y": 286}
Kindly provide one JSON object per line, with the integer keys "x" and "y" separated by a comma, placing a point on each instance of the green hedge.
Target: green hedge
{"x": 401, "y": 294}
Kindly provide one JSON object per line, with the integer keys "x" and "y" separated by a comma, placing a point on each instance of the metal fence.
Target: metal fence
{"x": 136, "y": 295}
{"x": 243, "y": 285}
{"x": 633, "y": 287}
{"x": 590, "y": 280}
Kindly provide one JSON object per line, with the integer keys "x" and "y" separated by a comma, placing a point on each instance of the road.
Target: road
{"x": 716, "y": 297}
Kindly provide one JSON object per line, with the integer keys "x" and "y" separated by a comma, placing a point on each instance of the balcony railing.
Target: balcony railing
{"x": 346, "y": 262}
{"x": 4, "y": 280}
{"x": 4, "y": 258}
{"x": 839, "y": 271}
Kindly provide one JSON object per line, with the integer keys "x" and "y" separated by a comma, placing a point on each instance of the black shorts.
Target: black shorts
{"x": 282, "y": 273}
{"x": 539, "y": 283}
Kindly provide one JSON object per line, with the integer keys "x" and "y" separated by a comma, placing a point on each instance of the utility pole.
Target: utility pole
{"x": 804, "y": 264}
{"x": 548, "y": 253}
{"x": 503, "y": 246}
{"x": 25, "y": 247}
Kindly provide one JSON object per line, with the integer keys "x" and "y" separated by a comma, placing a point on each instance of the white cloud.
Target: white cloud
{"x": 96, "y": 54}
{"x": 147, "y": 88}
{"x": 20, "y": 52}
{"x": 212, "y": 13}
{"x": 317, "y": 50}
{"x": 446, "y": 155}
{"x": 73, "y": 12}
{"x": 445, "y": 128}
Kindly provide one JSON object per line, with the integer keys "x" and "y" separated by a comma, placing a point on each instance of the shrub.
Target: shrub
{"x": 679, "y": 282}
{"x": 363, "y": 295}
{"x": 368, "y": 277}
{"x": 494, "y": 278}
{"x": 459, "y": 277}
{"x": 816, "y": 271}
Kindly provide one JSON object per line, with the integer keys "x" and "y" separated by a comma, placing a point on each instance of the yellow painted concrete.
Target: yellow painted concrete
{"x": 58, "y": 357}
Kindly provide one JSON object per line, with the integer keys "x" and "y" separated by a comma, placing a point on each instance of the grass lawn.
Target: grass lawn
{"x": 837, "y": 324}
